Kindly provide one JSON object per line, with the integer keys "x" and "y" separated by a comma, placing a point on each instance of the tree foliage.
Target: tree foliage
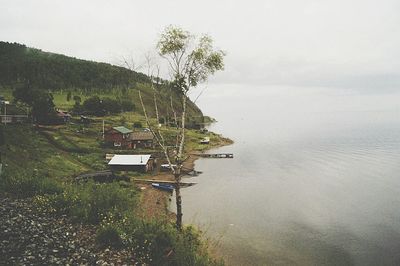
{"x": 40, "y": 102}
{"x": 101, "y": 106}
{"x": 51, "y": 71}
{"x": 192, "y": 60}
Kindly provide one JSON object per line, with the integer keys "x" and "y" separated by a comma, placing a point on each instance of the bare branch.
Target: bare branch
{"x": 159, "y": 139}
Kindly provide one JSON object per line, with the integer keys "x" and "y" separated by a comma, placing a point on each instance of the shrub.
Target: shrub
{"x": 109, "y": 236}
{"x": 110, "y": 105}
{"x": 93, "y": 105}
{"x": 160, "y": 243}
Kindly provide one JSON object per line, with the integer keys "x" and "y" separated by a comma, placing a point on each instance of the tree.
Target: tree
{"x": 191, "y": 61}
{"x": 43, "y": 108}
{"x": 40, "y": 102}
{"x": 69, "y": 96}
{"x": 93, "y": 105}
{"x": 77, "y": 99}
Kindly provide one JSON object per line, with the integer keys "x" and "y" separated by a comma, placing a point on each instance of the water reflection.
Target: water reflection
{"x": 315, "y": 178}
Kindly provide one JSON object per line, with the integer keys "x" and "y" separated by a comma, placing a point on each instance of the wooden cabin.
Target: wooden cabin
{"x": 118, "y": 137}
{"x": 138, "y": 162}
{"x": 142, "y": 139}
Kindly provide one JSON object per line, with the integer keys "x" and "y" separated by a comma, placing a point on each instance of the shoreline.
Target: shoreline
{"x": 155, "y": 203}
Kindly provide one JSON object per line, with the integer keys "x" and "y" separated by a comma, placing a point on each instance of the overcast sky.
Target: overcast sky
{"x": 330, "y": 43}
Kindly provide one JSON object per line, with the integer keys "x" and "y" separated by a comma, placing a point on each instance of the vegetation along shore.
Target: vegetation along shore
{"x": 80, "y": 144}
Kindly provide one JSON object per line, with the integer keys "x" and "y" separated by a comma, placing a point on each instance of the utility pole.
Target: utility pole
{"x": 103, "y": 128}
{"x": 5, "y": 112}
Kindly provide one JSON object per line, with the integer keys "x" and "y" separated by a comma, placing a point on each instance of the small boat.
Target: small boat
{"x": 205, "y": 140}
{"x": 167, "y": 166}
{"x": 166, "y": 187}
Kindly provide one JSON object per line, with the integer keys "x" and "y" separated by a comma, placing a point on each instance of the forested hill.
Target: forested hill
{"x": 54, "y": 71}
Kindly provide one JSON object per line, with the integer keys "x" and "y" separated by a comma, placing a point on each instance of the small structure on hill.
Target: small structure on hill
{"x": 138, "y": 163}
{"x": 16, "y": 119}
{"x": 63, "y": 116}
{"x": 205, "y": 140}
{"x": 118, "y": 137}
{"x": 142, "y": 139}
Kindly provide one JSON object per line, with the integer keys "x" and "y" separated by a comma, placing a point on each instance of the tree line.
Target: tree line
{"x": 50, "y": 71}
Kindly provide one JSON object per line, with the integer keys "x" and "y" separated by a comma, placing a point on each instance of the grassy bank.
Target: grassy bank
{"x": 41, "y": 162}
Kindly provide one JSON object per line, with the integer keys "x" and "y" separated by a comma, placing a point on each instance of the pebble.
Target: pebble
{"x": 30, "y": 237}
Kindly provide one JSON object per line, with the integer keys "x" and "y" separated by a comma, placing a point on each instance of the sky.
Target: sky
{"x": 324, "y": 43}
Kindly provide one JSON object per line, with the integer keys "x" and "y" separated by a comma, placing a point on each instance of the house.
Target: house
{"x": 63, "y": 116}
{"x": 138, "y": 163}
{"x": 118, "y": 137}
{"x": 16, "y": 119}
{"x": 142, "y": 139}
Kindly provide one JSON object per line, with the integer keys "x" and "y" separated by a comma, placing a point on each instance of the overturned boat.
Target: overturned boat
{"x": 166, "y": 187}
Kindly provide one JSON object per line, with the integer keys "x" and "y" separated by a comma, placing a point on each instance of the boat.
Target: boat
{"x": 205, "y": 140}
{"x": 167, "y": 166}
{"x": 165, "y": 187}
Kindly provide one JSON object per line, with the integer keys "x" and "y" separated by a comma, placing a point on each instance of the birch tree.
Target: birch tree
{"x": 191, "y": 61}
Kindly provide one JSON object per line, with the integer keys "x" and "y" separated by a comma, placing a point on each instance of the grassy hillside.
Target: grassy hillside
{"x": 61, "y": 74}
{"x": 41, "y": 163}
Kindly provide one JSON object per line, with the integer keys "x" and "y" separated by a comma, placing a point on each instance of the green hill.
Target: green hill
{"x": 60, "y": 74}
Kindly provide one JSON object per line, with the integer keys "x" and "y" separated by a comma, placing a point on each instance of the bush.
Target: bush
{"x": 27, "y": 185}
{"x": 109, "y": 236}
{"x": 160, "y": 243}
{"x": 111, "y": 106}
{"x": 93, "y": 105}
{"x": 97, "y": 106}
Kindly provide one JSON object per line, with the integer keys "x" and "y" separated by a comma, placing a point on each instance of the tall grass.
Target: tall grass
{"x": 157, "y": 242}
{"x": 24, "y": 184}
{"x": 91, "y": 202}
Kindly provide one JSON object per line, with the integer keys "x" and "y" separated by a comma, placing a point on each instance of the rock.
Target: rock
{"x": 37, "y": 238}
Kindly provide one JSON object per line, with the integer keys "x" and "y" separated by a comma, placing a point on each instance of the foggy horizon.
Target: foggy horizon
{"x": 330, "y": 44}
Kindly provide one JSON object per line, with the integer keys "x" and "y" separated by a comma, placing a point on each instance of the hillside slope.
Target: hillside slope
{"x": 56, "y": 72}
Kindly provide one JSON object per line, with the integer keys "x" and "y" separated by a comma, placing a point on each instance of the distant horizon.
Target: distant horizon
{"x": 297, "y": 43}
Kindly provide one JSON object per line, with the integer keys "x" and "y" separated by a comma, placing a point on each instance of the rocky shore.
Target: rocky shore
{"x": 28, "y": 237}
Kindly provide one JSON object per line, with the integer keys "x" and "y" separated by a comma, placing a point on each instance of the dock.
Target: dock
{"x": 214, "y": 155}
{"x": 149, "y": 181}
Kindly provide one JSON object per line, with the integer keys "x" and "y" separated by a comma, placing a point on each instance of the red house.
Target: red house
{"x": 118, "y": 137}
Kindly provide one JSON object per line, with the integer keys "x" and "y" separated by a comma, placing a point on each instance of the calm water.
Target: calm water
{"x": 315, "y": 178}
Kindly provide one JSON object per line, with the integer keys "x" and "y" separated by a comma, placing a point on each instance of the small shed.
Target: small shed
{"x": 13, "y": 119}
{"x": 142, "y": 139}
{"x": 64, "y": 116}
{"x": 138, "y": 162}
{"x": 118, "y": 136}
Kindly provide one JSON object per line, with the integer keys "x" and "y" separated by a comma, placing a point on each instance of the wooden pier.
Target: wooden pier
{"x": 214, "y": 155}
{"x": 149, "y": 181}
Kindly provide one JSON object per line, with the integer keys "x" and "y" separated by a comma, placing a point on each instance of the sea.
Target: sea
{"x": 315, "y": 178}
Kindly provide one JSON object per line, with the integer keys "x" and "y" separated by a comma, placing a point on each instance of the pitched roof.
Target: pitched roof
{"x": 62, "y": 113}
{"x": 139, "y": 159}
{"x": 142, "y": 135}
{"x": 122, "y": 130}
